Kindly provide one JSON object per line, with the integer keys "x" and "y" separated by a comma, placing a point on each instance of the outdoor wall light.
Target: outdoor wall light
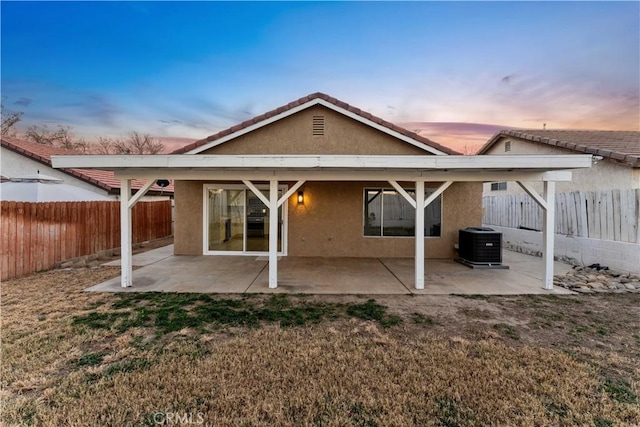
{"x": 301, "y": 197}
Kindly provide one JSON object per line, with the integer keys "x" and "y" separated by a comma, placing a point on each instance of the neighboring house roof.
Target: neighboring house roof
{"x": 104, "y": 180}
{"x": 621, "y": 146}
{"x": 305, "y": 102}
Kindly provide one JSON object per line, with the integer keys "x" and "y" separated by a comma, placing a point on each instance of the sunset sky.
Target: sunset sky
{"x": 458, "y": 71}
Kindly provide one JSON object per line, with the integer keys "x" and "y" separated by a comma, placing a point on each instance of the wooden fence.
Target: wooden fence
{"x": 606, "y": 215}
{"x": 36, "y": 236}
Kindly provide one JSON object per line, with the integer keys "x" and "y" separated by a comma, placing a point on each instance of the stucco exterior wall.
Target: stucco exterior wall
{"x": 188, "y": 218}
{"x": 605, "y": 175}
{"x": 293, "y": 135}
{"x": 14, "y": 164}
{"x": 330, "y": 223}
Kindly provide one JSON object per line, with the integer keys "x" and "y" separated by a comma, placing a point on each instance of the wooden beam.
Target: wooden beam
{"x": 257, "y": 192}
{"x": 341, "y": 175}
{"x": 159, "y": 163}
{"x": 534, "y": 194}
{"x": 402, "y": 192}
{"x": 548, "y": 233}
{"x": 273, "y": 233}
{"x": 141, "y": 192}
{"x": 126, "y": 261}
{"x": 289, "y": 192}
{"x": 419, "y": 255}
{"x": 433, "y": 196}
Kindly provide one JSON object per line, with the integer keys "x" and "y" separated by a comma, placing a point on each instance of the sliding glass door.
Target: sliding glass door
{"x": 237, "y": 222}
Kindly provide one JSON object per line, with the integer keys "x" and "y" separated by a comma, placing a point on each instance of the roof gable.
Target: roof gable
{"x": 105, "y": 180}
{"x": 620, "y": 146}
{"x": 309, "y": 102}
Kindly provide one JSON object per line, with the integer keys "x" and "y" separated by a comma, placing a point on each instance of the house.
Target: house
{"x": 320, "y": 178}
{"x": 598, "y": 211}
{"x": 20, "y": 157}
{"x": 620, "y": 152}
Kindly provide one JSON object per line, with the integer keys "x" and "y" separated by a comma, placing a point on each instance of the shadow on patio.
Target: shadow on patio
{"x": 163, "y": 272}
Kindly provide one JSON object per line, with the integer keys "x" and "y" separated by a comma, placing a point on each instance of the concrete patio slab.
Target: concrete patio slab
{"x": 163, "y": 272}
{"x": 330, "y": 276}
{"x": 228, "y": 274}
{"x": 524, "y": 276}
{"x": 146, "y": 258}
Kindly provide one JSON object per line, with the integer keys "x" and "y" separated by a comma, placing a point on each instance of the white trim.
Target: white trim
{"x": 290, "y": 192}
{"x": 382, "y": 128}
{"x": 309, "y": 104}
{"x": 251, "y": 128}
{"x": 548, "y": 233}
{"x": 548, "y": 204}
{"x": 257, "y": 192}
{"x": 419, "y": 236}
{"x": 524, "y": 163}
{"x": 141, "y": 192}
{"x": 403, "y": 193}
{"x": 273, "y": 233}
{"x": 126, "y": 250}
{"x": 355, "y": 175}
{"x": 205, "y": 221}
{"x": 533, "y": 193}
{"x": 433, "y": 196}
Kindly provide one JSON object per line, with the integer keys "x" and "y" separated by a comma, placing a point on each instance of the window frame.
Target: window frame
{"x": 498, "y": 184}
{"x": 382, "y": 190}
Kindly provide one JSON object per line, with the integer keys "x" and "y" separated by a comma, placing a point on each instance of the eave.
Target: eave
{"x": 332, "y": 167}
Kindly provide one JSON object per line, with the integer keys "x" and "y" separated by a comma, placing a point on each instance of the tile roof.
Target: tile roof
{"x": 304, "y": 100}
{"x": 104, "y": 180}
{"x": 621, "y": 146}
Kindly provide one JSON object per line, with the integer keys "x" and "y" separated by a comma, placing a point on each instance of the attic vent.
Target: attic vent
{"x": 318, "y": 126}
{"x": 507, "y": 146}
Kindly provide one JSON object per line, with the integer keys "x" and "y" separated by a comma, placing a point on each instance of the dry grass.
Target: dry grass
{"x": 425, "y": 370}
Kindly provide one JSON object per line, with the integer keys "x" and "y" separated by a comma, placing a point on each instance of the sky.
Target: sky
{"x": 455, "y": 71}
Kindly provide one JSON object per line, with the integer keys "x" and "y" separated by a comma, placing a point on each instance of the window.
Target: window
{"x": 498, "y": 186}
{"x": 388, "y": 214}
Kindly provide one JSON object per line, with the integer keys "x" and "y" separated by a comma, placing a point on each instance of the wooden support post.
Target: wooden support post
{"x": 126, "y": 261}
{"x": 419, "y": 261}
{"x": 273, "y": 233}
{"x": 548, "y": 232}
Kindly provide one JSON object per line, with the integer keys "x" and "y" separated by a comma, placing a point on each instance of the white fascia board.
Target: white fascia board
{"x": 338, "y": 175}
{"x": 253, "y": 127}
{"x": 293, "y": 162}
{"x": 382, "y": 128}
{"x": 313, "y": 102}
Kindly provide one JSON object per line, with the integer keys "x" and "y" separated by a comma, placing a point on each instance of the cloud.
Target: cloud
{"x": 99, "y": 110}
{"x": 507, "y": 79}
{"x": 24, "y": 102}
{"x": 463, "y": 137}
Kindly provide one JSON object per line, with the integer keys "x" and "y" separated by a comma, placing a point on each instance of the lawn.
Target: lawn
{"x": 76, "y": 358}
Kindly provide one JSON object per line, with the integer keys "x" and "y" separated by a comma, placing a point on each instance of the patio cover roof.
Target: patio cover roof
{"x": 334, "y": 167}
{"x": 277, "y": 168}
